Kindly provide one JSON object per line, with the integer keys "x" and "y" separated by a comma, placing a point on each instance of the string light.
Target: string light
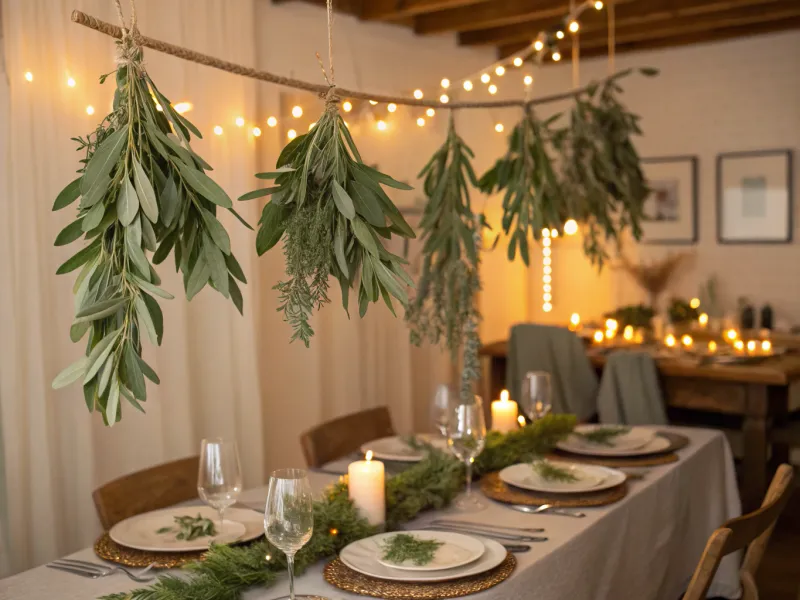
{"x": 291, "y": 134}
{"x": 547, "y": 270}
{"x": 297, "y": 112}
{"x": 218, "y": 130}
{"x": 598, "y": 5}
{"x": 545, "y": 233}
{"x": 546, "y": 251}
{"x": 239, "y": 121}
{"x": 90, "y": 110}
{"x": 445, "y": 83}
{"x": 256, "y": 131}
{"x": 70, "y": 82}
{"x": 430, "y": 112}
{"x": 538, "y": 45}
{"x": 493, "y": 89}
{"x": 382, "y": 125}
{"x": 500, "y": 70}
{"x": 468, "y": 85}
{"x": 418, "y": 94}
{"x": 571, "y": 227}
{"x": 28, "y": 76}
{"x": 694, "y": 303}
{"x": 499, "y": 128}
{"x": 272, "y": 121}
{"x": 347, "y": 106}
{"x": 421, "y": 122}
{"x": 766, "y": 346}
{"x": 547, "y": 307}
{"x": 554, "y": 232}
{"x": 373, "y": 102}
{"x": 391, "y": 107}
{"x": 751, "y": 346}
{"x": 528, "y": 80}
{"x": 485, "y": 78}
{"x": 560, "y": 34}
{"x": 182, "y": 107}
{"x": 574, "y": 26}
{"x": 444, "y": 99}
{"x": 556, "y": 55}
{"x": 518, "y": 62}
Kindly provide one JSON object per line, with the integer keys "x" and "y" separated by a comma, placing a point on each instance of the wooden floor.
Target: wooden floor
{"x": 779, "y": 575}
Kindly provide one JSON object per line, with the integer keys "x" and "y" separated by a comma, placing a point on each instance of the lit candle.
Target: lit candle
{"x": 751, "y": 346}
{"x": 703, "y": 320}
{"x": 612, "y": 325}
{"x": 598, "y": 337}
{"x": 739, "y": 345}
{"x": 627, "y": 333}
{"x": 504, "y": 414}
{"x": 367, "y": 490}
{"x": 766, "y": 346}
{"x": 574, "y": 321}
{"x": 687, "y": 341}
{"x": 712, "y": 346}
{"x": 670, "y": 341}
{"x": 611, "y": 333}
{"x": 731, "y": 335}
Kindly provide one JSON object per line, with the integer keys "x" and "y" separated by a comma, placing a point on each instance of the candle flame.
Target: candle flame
{"x": 766, "y": 345}
{"x": 598, "y": 336}
{"x": 687, "y": 341}
{"x": 504, "y": 396}
{"x": 612, "y": 324}
{"x": 712, "y": 346}
{"x": 739, "y": 345}
{"x": 670, "y": 340}
{"x": 369, "y": 455}
{"x": 731, "y": 334}
{"x": 703, "y": 319}
{"x": 627, "y": 333}
{"x": 751, "y": 346}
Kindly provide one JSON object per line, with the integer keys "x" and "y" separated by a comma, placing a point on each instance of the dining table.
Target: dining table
{"x": 644, "y": 546}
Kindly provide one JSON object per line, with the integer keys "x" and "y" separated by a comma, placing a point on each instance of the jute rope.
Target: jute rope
{"x": 323, "y": 90}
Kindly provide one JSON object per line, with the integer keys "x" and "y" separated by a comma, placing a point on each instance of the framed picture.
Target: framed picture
{"x": 754, "y": 197}
{"x": 670, "y": 211}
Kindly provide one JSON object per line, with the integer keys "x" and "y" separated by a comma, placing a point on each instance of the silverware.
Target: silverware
{"x": 457, "y": 523}
{"x": 517, "y": 548}
{"x": 497, "y": 536}
{"x": 96, "y": 571}
{"x": 547, "y": 509}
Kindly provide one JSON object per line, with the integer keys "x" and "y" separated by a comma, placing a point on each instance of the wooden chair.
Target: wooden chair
{"x": 157, "y": 487}
{"x": 342, "y": 436}
{"x": 752, "y": 531}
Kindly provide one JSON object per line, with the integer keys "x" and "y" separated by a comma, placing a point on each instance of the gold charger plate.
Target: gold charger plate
{"x": 677, "y": 441}
{"x": 496, "y": 489}
{"x": 338, "y": 574}
{"x": 108, "y": 549}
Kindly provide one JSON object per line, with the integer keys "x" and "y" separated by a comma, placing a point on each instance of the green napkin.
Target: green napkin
{"x": 629, "y": 391}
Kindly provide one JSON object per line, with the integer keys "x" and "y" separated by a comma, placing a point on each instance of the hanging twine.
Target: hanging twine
{"x": 611, "y": 36}
{"x": 128, "y": 49}
{"x": 576, "y": 51}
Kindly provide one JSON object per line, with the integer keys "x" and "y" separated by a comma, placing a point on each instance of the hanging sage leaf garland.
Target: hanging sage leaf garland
{"x": 141, "y": 188}
{"x": 331, "y": 211}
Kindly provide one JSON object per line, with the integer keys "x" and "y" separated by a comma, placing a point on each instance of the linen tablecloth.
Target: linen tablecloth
{"x": 644, "y": 547}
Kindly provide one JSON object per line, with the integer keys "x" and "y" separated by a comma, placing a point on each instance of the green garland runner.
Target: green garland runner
{"x": 228, "y": 571}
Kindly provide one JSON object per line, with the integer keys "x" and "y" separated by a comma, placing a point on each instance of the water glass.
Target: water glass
{"x": 466, "y": 437}
{"x": 440, "y": 410}
{"x": 536, "y": 400}
{"x": 219, "y": 481}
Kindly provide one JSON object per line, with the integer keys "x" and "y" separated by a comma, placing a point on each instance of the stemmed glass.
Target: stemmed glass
{"x": 289, "y": 517}
{"x": 466, "y": 436}
{"x": 219, "y": 481}
{"x": 440, "y": 409}
{"x": 536, "y": 397}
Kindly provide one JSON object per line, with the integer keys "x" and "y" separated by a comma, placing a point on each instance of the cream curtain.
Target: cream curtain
{"x": 222, "y": 374}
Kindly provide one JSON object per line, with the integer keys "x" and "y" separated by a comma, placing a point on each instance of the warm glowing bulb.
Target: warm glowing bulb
{"x": 528, "y": 80}
{"x": 547, "y": 288}
{"x": 546, "y": 241}
{"x": 545, "y": 232}
{"x": 611, "y": 334}
{"x": 486, "y": 78}
{"x": 382, "y": 125}
{"x": 703, "y": 319}
{"x": 218, "y": 130}
{"x": 421, "y": 122}
{"x": 538, "y": 45}
{"x": 70, "y": 82}
{"x": 444, "y": 99}
{"x": 90, "y": 110}
{"x": 312, "y": 125}
{"x": 493, "y": 89}
{"x": 560, "y": 34}
{"x": 546, "y": 260}
{"x": 712, "y": 346}
{"x": 556, "y": 56}
{"x": 571, "y": 227}
{"x": 347, "y": 106}
{"x": 547, "y": 279}
{"x": 430, "y": 112}
{"x": 612, "y": 324}
{"x": 518, "y": 62}
{"x": 373, "y": 102}
{"x": 182, "y": 107}
{"x": 291, "y": 134}
{"x": 598, "y": 5}
{"x": 504, "y": 396}
{"x": 256, "y": 131}
{"x": 297, "y": 112}
{"x": 739, "y": 345}
{"x": 499, "y": 128}
{"x": 731, "y": 334}
{"x": 627, "y": 333}
{"x": 766, "y": 346}
{"x": 547, "y": 296}
{"x": 418, "y": 94}
{"x": 599, "y": 337}
{"x": 670, "y": 341}
{"x": 547, "y": 307}
{"x": 694, "y": 302}
{"x": 554, "y": 232}
{"x": 547, "y": 270}
{"x": 391, "y": 107}
{"x": 239, "y": 121}
{"x": 468, "y": 85}
{"x": 546, "y": 251}
{"x": 687, "y": 340}
{"x": 751, "y": 346}
{"x": 521, "y": 421}
{"x": 369, "y": 455}
{"x": 574, "y": 26}
{"x": 272, "y": 121}
{"x": 28, "y": 76}
{"x": 445, "y": 83}
{"x": 575, "y": 319}
{"x": 500, "y": 70}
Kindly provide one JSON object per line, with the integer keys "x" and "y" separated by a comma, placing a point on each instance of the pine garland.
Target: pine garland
{"x": 228, "y": 571}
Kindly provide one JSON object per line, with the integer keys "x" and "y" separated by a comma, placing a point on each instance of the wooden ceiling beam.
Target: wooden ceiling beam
{"x": 634, "y": 14}
{"x": 392, "y": 10}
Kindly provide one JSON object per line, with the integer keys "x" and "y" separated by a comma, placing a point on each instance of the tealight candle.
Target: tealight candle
{"x": 766, "y": 346}
{"x": 703, "y": 320}
{"x": 504, "y": 414}
{"x": 670, "y": 341}
{"x": 731, "y": 334}
{"x": 751, "y": 346}
{"x": 574, "y": 321}
{"x": 712, "y": 346}
{"x": 739, "y": 345}
{"x": 687, "y": 341}
{"x": 627, "y": 333}
{"x": 365, "y": 484}
{"x": 598, "y": 337}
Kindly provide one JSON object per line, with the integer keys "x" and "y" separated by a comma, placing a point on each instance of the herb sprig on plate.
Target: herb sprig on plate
{"x": 190, "y": 528}
{"x": 552, "y": 472}
{"x": 602, "y": 436}
{"x": 405, "y": 547}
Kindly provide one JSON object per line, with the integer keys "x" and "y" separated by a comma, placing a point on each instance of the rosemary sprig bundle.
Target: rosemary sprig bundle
{"x": 551, "y": 472}
{"x": 602, "y": 436}
{"x": 404, "y": 547}
{"x": 190, "y": 528}
{"x": 331, "y": 211}
{"x": 142, "y": 188}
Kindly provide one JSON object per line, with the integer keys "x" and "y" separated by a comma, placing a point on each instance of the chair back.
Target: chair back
{"x": 151, "y": 489}
{"x": 342, "y": 436}
{"x": 751, "y": 531}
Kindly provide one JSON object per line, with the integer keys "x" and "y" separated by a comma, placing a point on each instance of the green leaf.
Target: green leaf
{"x": 199, "y": 277}
{"x": 364, "y": 235}
{"x": 276, "y": 173}
{"x": 156, "y": 315}
{"x": 147, "y": 370}
{"x": 216, "y": 231}
{"x": 105, "y": 375}
{"x": 273, "y": 224}
{"x": 78, "y": 330}
{"x": 94, "y": 217}
{"x": 145, "y": 320}
{"x": 170, "y": 201}
{"x": 240, "y": 218}
{"x": 69, "y": 234}
{"x": 149, "y": 241}
{"x": 389, "y": 282}
{"x": 235, "y": 268}
{"x": 216, "y": 264}
{"x": 89, "y": 391}
{"x": 127, "y": 203}
{"x": 205, "y": 186}
{"x": 68, "y": 195}
{"x": 153, "y": 289}
{"x": 164, "y": 249}
{"x": 134, "y": 372}
{"x": 131, "y": 399}
{"x": 338, "y": 248}
{"x": 343, "y": 202}
{"x": 100, "y": 310}
{"x": 96, "y": 193}
{"x": 144, "y": 189}
{"x": 113, "y": 403}
{"x": 134, "y": 232}
{"x": 259, "y": 193}
{"x": 367, "y": 204}
{"x": 383, "y": 178}
{"x": 136, "y": 255}
{"x": 99, "y": 354}
{"x": 71, "y": 374}
{"x": 80, "y": 258}
{"x": 105, "y": 157}
{"x": 236, "y": 295}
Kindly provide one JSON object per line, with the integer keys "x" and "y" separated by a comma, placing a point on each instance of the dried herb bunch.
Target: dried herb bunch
{"x": 142, "y": 188}
{"x": 444, "y": 308}
{"x": 331, "y": 211}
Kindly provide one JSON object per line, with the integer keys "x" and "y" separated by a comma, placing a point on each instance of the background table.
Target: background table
{"x": 645, "y": 546}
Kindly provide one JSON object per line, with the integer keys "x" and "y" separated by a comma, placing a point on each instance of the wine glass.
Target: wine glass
{"x": 289, "y": 517}
{"x": 536, "y": 397}
{"x": 440, "y": 410}
{"x": 466, "y": 436}
{"x": 219, "y": 481}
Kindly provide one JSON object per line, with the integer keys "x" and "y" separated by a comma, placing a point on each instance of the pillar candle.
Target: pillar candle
{"x": 504, "y": 414}
{"x": 365, "y": 484}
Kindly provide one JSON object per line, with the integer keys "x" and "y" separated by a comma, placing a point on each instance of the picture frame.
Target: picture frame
{"x": 755, "y": 197}
{"x": 671, "y": 210}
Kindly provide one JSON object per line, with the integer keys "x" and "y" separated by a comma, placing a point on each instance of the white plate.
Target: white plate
{"x": 590, "y": 478}
{"x": 456, "y": 550}
{"x": 394, "y": 448}
{"x": 635, "y": 438}
{"x": 655, "y": 446}
{"x": 139, "y": 532}
{"x": 362, "y": 556}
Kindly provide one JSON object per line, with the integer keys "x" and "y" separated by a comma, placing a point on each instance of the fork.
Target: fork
{"x": 96, "y": 571}
{"x": 546, "y": 509}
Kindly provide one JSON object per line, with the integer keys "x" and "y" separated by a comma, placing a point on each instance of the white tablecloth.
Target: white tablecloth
{"x": 644, "y": 547}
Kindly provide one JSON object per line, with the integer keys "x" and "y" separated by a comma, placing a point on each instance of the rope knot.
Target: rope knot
{"x": 331, "y": 97}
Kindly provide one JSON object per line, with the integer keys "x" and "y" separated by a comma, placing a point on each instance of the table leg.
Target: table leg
{"x": 754, "y": 428}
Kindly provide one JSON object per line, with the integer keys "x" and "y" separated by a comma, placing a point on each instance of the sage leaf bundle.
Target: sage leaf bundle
{"x": 142, "y": 189}
{"x": 331, "y": 210}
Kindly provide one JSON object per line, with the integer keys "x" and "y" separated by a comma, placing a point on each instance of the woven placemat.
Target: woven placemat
{"x": 676, "y": 442}
{"x": 108, "y": 549}
{"x": 338, "y": 574}
{"x": 496, "y": 489}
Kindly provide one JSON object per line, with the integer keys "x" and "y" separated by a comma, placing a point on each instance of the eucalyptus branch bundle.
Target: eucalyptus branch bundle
{"x": 444, "y": 308}
{"x": 332, "y": 212}
{"x": 142, "y": 188}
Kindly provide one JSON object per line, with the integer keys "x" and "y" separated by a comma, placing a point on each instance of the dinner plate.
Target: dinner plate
{"x": 140, "y": 531}
{"x": 577, "y": 445}
{"x": 396, "y": 447}
{"x": 362, "y": 556}
{"x": 590, "y": 478}
{"x": 456, "y": 550}
{"x": 634, "y": 438}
